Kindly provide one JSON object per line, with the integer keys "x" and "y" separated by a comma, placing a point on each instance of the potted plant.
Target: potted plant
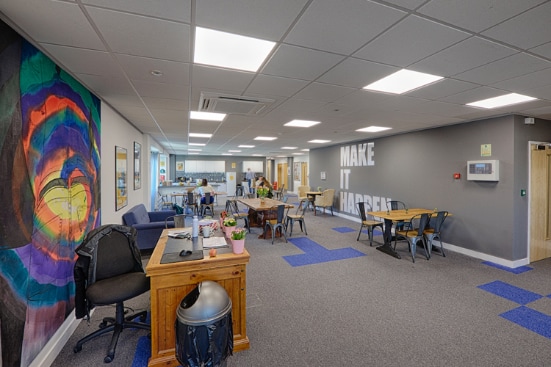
{"x": 238, "y": 240}
{"x": 229, "y": 225}
{"x": 262, "y": 193}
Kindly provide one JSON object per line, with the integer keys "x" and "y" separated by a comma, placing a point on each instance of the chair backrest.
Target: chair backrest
{"x": 115, "y": 253}
{"x": 419, "y": 222}
{"x": 301, "y": 208}
{"x": 361, "y": 210}
{"x": 190, "y": 198}
{"x": 395, "y": 205}
{"x": 207, "y": 198}
{"x": 280, "y": 213}
{"x": 285, "y": 198}
{"x": 302, "y": 190}
{"x": 440, "y": 218}
{"x": 326, "y": 198}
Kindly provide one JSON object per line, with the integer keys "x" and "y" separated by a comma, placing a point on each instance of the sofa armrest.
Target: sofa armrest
{"x": 161, "y": 215}
{"x": 148, "y": 226}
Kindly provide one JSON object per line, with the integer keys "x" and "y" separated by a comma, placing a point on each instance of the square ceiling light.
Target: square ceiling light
{"x": 402, "y": 81}
{"x": 319, "y": 141}
{"x": 229, "y": 50}
{"x": 267, "y": 138}
{"x": 500, "y": 101}
{"x": 197, "y": 144}
{"x": 199, "y": 135}
{"x": 245, "y": 146}
{"x": 208, "y": 116}
{"x": 373, "y": 129}
{"x": 302, "y": 123}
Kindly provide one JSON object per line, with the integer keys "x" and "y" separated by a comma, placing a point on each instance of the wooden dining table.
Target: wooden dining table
{"x": 258, "y": 205}
{"x": 395, "y": 216}
{"x": 311, "y": 195}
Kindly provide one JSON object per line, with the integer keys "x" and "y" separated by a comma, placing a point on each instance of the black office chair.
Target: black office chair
{"x": 190, "y": 204}
{"x": 414, "y": 233}
{"x": 290, "y": 219}
{"x": 109, "y": 271}
{"x": 368, "y": 222}
{"x": 276, "y": 224}
{"x": 436, "y": 231}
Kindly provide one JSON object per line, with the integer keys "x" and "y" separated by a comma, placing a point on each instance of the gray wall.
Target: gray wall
{"x": 417, "y": 168}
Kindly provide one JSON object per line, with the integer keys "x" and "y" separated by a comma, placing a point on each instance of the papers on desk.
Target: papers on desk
{"x": 214, "y": 242}
{"x": 179, "y": 234}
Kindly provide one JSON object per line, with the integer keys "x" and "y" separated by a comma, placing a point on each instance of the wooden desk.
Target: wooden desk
{"x": 395, "y": 216}
{"x": 170, "y": 283}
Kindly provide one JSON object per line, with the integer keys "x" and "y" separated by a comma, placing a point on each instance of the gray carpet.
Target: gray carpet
{"x": 372, "y": 310}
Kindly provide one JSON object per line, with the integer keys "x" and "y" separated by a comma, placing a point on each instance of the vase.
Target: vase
{"x": 238, "y": 246}
{"x": 229, "y": 231}
{"x": 262, "y": 200}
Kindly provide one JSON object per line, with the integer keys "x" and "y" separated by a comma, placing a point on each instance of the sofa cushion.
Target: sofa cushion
{"x": 136, "y": 215}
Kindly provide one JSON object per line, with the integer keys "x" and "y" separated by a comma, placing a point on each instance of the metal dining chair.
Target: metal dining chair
{"x": 290, "y": 219}
{"x": 276, "y": 224}
{"x": 414, "y": 233}
{"x": 367, "y": 222}
{"x": 436, "y": 231}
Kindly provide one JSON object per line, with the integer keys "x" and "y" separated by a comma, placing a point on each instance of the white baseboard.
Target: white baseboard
{"x": 461, "y": 250}
{"x": 50, "y": 351}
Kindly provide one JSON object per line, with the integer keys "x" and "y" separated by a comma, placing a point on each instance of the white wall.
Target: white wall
{"x": 116, "y": 131}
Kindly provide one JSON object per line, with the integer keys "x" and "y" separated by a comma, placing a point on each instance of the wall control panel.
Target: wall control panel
{"x": 483, "y": 170}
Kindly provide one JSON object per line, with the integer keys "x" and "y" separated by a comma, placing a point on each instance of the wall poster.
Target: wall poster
{"x": 137, "y": 166}
{"x": 296, "y": 171}
{"x": 121, "y": 178}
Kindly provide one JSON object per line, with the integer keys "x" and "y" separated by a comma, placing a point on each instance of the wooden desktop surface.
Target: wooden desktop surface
{"x": 170, "y": 283}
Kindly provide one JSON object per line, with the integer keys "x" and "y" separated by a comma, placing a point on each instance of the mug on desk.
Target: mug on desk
{"x": 206, "y": 231}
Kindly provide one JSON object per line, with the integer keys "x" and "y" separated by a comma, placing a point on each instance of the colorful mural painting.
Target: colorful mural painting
{"x": 49, "y": 193}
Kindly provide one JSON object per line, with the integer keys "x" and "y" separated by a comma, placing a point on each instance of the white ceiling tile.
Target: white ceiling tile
{"x": 274, "y": 85}
{"x": 179, "y": 10}
{"x": 59, "y": 23}
{"x": 463, "y": 56}
{"x": 526, "y": 83}
{"x": 329, "y": 26}
{"x": 409, "y": 4}
{"x": 443, "y": 88}
{"x": 161, "y": 90}
{"x": 300, "y": 63}
{"x": 507, "y": 68}
{"x": 84, "y": 61}
{"x": 534, "y": 24}
{"x": 472, "y": 95}
{"x": 221, "y": 79}
{"x": 356, "y": 73}
{"x": 475, "y": 15}
{"x": 142, "y": 36}
{"x": 323, "y": 92}
{"x": 264, "y": 19}
{"x": 409, "y": 41}
{"x": 140, "y": 68}
{"x": 543, "y": 50}
{"x": 106, "y": 85}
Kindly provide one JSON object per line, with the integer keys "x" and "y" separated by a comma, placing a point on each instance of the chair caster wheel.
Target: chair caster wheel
{"x": 102, "y": 325}
{"x": 108, "y": 359}
{"x": 143, "y": 318}
{"x": 77, "y": 349}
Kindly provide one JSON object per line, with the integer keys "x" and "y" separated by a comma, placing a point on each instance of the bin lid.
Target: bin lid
{"x": 205, "y": 304}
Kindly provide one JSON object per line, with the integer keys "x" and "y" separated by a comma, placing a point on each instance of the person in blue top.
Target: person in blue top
{"x": 250, "y": 177}
{"x": 206, "y": 188}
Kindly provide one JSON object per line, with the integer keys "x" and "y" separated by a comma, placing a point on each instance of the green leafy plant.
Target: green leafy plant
{"x": 230, "y": 222}
{"x": 262, "y": 191}
{"x": 238, "y": 234}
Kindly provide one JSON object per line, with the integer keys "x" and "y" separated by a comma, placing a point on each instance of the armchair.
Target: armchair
{"x": 325, "y": 200}
{"x": 149, "y": 225}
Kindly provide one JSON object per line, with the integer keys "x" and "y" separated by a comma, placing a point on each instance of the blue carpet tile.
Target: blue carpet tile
{"x": 532, "y": 320}
{"x": 510, "y": 292}
{"x": 343, "y": 229}
{"x": 519, "y": 270}
{"x": 315, "y": 253}
{"x": 143, "y": 352}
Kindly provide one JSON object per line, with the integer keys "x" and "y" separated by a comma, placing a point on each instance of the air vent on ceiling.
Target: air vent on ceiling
{"x": 239, "y": 105}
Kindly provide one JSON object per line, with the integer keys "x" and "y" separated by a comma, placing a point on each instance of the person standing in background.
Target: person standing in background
{"x": 250, "y": 178}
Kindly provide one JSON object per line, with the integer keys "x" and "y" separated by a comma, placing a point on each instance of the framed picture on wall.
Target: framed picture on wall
{"x": 296, "y": 171}
{"x": 179, "y": 165}
{"x": 121, "y": 199}
{"x": 137, "y": 166}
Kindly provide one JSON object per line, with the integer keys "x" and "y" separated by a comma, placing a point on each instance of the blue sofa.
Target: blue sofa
{"x": 148, "y": 224}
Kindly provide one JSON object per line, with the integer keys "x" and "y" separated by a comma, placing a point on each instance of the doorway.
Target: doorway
{"x": 282, "y": 175}
{"x": 539, "y": 223}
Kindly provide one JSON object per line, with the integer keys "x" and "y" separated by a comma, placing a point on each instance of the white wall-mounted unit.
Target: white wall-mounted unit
{"x": 230, "y": 104}
{"x": 483, "y": 170}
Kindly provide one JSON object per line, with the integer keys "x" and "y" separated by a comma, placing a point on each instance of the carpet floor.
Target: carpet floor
{"x": 328, "y": 300}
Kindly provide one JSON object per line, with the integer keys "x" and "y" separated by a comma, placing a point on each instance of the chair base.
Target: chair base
{"x": 116, "y": 325}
